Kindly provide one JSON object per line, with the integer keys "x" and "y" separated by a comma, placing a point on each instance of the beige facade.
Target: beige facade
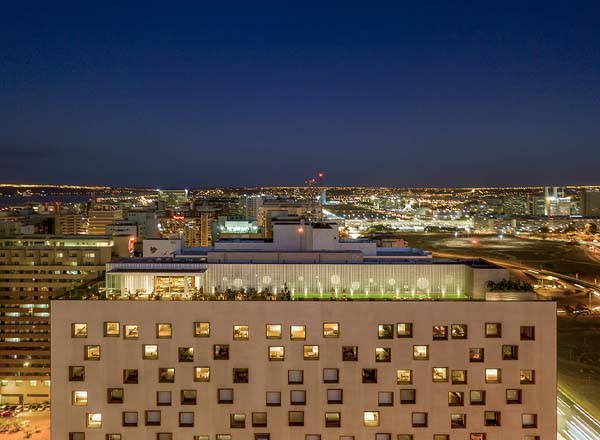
{"x": 98, "y": 220}
{"x": 304, "y": 370}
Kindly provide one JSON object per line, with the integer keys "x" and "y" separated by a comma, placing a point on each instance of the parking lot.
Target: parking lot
{"x": 24, "y": 422}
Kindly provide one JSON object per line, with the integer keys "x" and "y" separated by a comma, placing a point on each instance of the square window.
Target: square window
{"x": 335, "y": 396}
{"x": 76, "y": 435}
{"x": 131, "y": 331}
{"x": 513, "y": 396}
{"x": 113, "y": 437}
{"x": 76, "y": 373}
{"x": 166, "y": 375}
{"x": 296, "y": 418}
{"x": 237, "y": 420}
{"x": 385, "y": 331}
{"x": 163, "y": 398}
{"x": 240, "y": 332}
{"x": 385, "y": 398}
{"x": 477, "y": 397}
{"x": 350, "y": 353}
{"x": 476, "y": 354}
{"x": 493, "y": 330}
{"x": 152, "y": 418}
{"x": 112, "y": 329}
{"x": 491, "y": 418}
{"x": 149, "y": 351}
{"x": 276, "y": 353}
{"x": 369, "y": 375}
{"x": 225, "y": 395}
{"x": 456, "y": 398}
{"x": 383, "y": 354}
{"x": 383, "y": 436}
{"x": 440, "y": 332}
{"x": 312, "y": 437}
{"x": 164, "y": 436}
{"x": 91, "y": 352}
{"x": 259, "y": 419}
{"x": 331, "y": 375}
{"x": 510, "y": 352}
{"x": 202, "y": 437}
{"x": 94, "y": 420}
{"x": 79, "y": 330}
{"x": 240, "y": 375}
{"x": 331, "y": 330}
{"x": 529, "y": 420}
{"x": 295, "y": 377}
{"x": 531, "y": 437}
{"x": 420, "y": 352}
{"x": 527, "y": 377}
{"x": 419, "y": 419}
{"x": 408, "y": 396}
{"x": 273, "y": 398}
{"x": 527, "y": 333}
{"x": 371, "y": 419}
{"x": 439, "y": 374}
{"x": 201, "y": 329}
{"x": 223, "y": 436}
{"x": 404, "y": 329}
{"x": 458, "y": 331}
{"x": 220, "y": 352}
{"x": 458, "y": 421}
{"x": 79, "y": 398}
{"x": 405, "y": 437}
{"x": 164, "y": 330}
{"x": 311, "y": 352}
{"x": 493, "y": 375}
{"x": 298, "y": 397}
{"x": 186, "y": 419}
{"x": 130, "y": 418}
{"x": 346, "y": 437}
{"x": 459, "y": 377}
{"x": 201, "y": 374}
{"x": 273, "y": 331}
{"x": 477, "y": 436}
{"x": 333, "y": 420}
{"x": 115, "y": 395}
{"x": 130, "y": 376}
{"x": 189, "y": 397}
{"x": 441, "y": 436}
{"x": 403, "y": 377}
{"x": 186, "y": 354}
{"x": 298, "y": 332}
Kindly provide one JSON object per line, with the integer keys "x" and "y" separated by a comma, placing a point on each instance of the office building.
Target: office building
{"x": 175, "y": 199}
{"x": 590, "y": 203}
{"x": 99, "y": 219}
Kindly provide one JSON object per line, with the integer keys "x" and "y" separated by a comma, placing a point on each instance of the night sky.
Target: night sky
{"x": 159, "y": 94}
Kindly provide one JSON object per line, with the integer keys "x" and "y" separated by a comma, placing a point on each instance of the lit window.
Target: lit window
{"x": 79, "y": 398}
{"x": 383, "y": 436}
{"x": 113, "y": 436}
{"x": 186, "y": 354}
{"x": 331, "y": 375}
{"x": 403, "y": 377}
{"x": 240, "y": 375}
{"x": 273, "y": 331}
{"x": 201, "y": 329}
{"x": 115, "y": 395}
{"x": 188, "y": 397}
{"x": 491, "y": 418}
{"x": 130, "y": 376}
{"x": 164, "y": 436}
{"x": 295, "y": 377}
{"x": 383, "y": 354}
{"x": 312, "y": 437}
{"x": 164, "y": 330}
{"x": 477, "y": 397}
{"x": 404, "y": 329}
{"x": 298, "y": 397}
{"x": 458, "y": 331}
{"x": 220, "y": 352}
{"x": 456, "y": 398}
{"x": 527, "y": 333}
{"x": 149, "y": 351}
{"x": 296, "y": 418}
{"x": 163, "y": 398}
{"x": 476, "y": 355}
{"x": 529, "y": 420}
{"x": 223, "y": 436}
{"x": 298, "y": 332}
{"x": 510, "y": 352}
{"x": 493, "y": 375}
{"x": 419, "y": 419}
{"x": 201, "y": 374}
{"x": 478, "y": 436}
{"x": 369, "y": 375}
{"x": 385, "y": 398}
{"x": 131, "y": 331}
{"x": 405, "y": 437}
{"x": 385, "y": 331}
{"x": 350, "y": 353}
{"x": 276, "y": 353}
{"x": 240, "y": 332}
{"x": 186, "y": 419}
{"x": 440, "y": 332}
{"x": 76, "y": 373}
{"x": 92, "y": 352}
{"x": 33, "y": 383}
{"x": 441, "y": 436}
{"x": 333, "y": 419}
{"x": 335, "y": 396}
{"x": 513, "y": 396}
{"x": 440, "y": 374}
{"x": 527, "y": 377}
{"x": 94, "y": 420}
{"x": 237, "y": 420}
{"x": 531, "y": 437}
{"x": 273, "y": 398}
{"x": 259, "y": 419}
{"x": 225, "y": 395}
{"x": 152, "y": 418}
{"x": 346, "y": 437}
{"x": 458, "y": 421}
{"x": 459, "y": 377}
{"x": 371, "y": 418}
{"x": 493, "y": 330}
{"x": 420, "y": 352}
{"x": 331, "y": 330}
{"x": 202, "y": 437}
{"x": 112, "y": 329}
{"x": 79, "y": 330}
{"x": 166, "y": 375}
{"x": 311, "y": 352}
{"x": 130, "y": 418}
{"x": 408, "y": 396}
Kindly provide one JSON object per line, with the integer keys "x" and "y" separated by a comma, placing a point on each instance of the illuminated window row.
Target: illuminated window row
{"x": 296, "y": 419}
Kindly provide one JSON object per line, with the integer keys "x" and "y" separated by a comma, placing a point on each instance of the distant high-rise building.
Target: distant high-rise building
{"x": 98, "y": 220}
{"x": 556, "y": 204}
{"x": 515, "y": 205}
{"x": 173, "y": 198}
{"x": 590, "y": 203}
{"x": 249, "y": 205}
{"x": 70, "y": 224}
{"x": 194, "y": 230}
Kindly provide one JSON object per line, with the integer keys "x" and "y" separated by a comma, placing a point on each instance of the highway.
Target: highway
{"x": 573, "y": 422}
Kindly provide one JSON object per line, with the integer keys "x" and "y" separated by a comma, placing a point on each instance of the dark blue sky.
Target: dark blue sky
{"x": 256, "y": 93}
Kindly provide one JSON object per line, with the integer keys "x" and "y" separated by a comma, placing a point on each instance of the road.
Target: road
{"x": 573, "y": 422}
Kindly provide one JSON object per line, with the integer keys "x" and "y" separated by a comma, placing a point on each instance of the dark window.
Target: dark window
{"x": 510, "y": 352}
{"x": 186, "y": 354}
{"x": 408, "y": 396}
{"x": 115, "y": 395}
{"x": 240, "y": 375}
{"x": 76, "y": 374}
{"x": 369, "y": 375}
{"x": 130, "y": 376}
{"x": 188, "y": 397}
{"x": 440, "y": 332}
{"x": 221, "y": 352}
{"x": 527, "y": 333}
{"x": 350, "y": 353}
{"x": 491, "y": 418}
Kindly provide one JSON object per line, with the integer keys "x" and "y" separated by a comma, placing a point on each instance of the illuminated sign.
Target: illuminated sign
{"x": 130, "y": 244}
{"x": 178, "y": 217}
